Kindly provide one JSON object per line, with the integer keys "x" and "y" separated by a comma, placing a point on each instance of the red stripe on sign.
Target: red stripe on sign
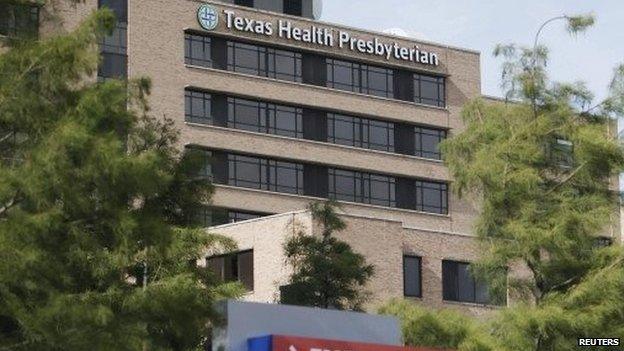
{"x": 295, "y": 343}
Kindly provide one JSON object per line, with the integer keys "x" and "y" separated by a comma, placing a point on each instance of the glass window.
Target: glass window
{"x": 427, "y": 142}
{"x": 234, "y": 267}
{"x": 197, "y": 50}
{"x": 113, "y": 66}
{"x": 248, "y": 3}
{"x": 260, "y": 173}
{"x": 458, "y": 284}
{"x": 19, "y": 19}
{"x": 431, "y": 197}
{"x": 293, "y": 7}
{"x": 211, "y": 216}
{"x": 361, "y": 187}
{"x": 360, "y": 132}
{"x": 119, "y": 8}
{"x": 263, "y": 61}
{"x": 265, "y": 117}
{"x": 360, "y": 78}
{"x": 562, "y": 152}
{"x": 429, "y": 90}
{"x": 411, "y": 276}
{"x": 197, "y": 106}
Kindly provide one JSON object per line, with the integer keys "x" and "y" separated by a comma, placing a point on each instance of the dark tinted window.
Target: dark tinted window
{"x": 260, "y": 173}
{"x": 19, "y": 20}
{"x": 264, "y": 61}
{"x": 360, "y": 78}
{"x": 210, "y": 216}
{"x": 427, "y": 141}
{"x": 197, "y": 50}
{"x": 431, "y": 197}
{"x": 361, "y": 187}
{"x": 429, "y": 90}
{"x": 248, "y": 3}
{"x": 197, "y": 107}
{"x": 293, "y": 7}
{"x": 233, "y": 267}
{"x": 458, "y": 284}
{"x": 360, "y": 132}
{"x": 411, "y": 276}
{"x": 114, "y": 47}
{"x": 265, "y": 117}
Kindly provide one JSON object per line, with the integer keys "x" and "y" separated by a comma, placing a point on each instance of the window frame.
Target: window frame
{"x": 419, "y": 259}
{"x": 206, "y": 42}
{"x": 476, "y": 285}
{"x": 443, "y": 209}
{"x": 362, "y": 187}
{"x": 360, "y": 77}
{"x": 440, "y": 83}
{"x": 266, "y": 62}
{"x": 419, "y": 150}
{"x": 361, "y": 132}
{"x": 267, "y": 174}
{"x": 223, "y": 275}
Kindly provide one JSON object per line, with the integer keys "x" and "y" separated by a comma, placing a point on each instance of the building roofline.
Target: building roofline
{"x": 370, "y": 31}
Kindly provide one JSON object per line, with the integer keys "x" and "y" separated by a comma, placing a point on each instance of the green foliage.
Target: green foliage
{"x": 580, "y": 23}
{"x": 326, "y": 271}
{"x": 91, "y": 191}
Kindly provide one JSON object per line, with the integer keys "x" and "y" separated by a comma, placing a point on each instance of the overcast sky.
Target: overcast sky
{"x": 481, "y": 24}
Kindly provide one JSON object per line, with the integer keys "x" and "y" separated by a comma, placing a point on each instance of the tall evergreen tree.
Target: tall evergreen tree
{"x": 326, "y": 271}
{"x": 91, "y": 191}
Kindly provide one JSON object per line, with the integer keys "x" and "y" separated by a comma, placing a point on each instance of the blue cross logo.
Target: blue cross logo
{"x": 208, "y": 17}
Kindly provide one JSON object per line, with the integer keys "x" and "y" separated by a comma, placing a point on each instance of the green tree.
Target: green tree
{"x": 542, "y": 166}
{"x": 91, "y": 257}
{"x": 326, "y": 271}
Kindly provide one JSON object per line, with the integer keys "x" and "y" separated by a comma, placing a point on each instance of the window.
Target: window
{"x": 411, "y": 276}
{"x": 562, "y": 153}
{"x": 361, "y": 187}
{"x": 197, "y": 107}
{"x": 197, "y": 50}
{"x": 264, "y": 61}
{"x": 431, "y": 197}
{"x": 293, "y": 7}
{"x": 234, "y": 267}
{"x": 265, "y": 117}
{"x": 360, "y": 132}
{"x": 427, "y": 141}
{"x": 210, "y": 216}
{"x": 429, "y": 90}
{"x": 260, "y": 173}
{"x": 114, "y": 47}
{"x": 458, "y": 284}
{"x": 19, "y": 20}
{"x": 360, "y": 78}
{"x": 248, "y": 3}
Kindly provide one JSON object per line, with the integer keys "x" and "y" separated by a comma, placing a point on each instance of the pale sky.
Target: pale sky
{"x": 481, "y": 24}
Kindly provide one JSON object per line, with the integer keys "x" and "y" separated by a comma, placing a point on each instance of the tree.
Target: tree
{"x": 326, "y": 271}
{"x": 541, "y": 164}
{"x": 91, "y": 254}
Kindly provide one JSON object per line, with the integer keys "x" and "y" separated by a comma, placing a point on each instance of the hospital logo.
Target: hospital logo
{"x": 208, "y": 17}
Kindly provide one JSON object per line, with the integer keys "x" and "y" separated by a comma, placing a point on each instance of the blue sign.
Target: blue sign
{"x": 208, "y": 17}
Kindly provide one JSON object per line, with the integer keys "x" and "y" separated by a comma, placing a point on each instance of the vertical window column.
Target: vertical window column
{"x": 19, "y": 20}
{"x": 114, "y": 47}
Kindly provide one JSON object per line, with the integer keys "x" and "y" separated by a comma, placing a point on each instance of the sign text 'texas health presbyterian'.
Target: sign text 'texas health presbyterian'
{"x": 329, "y": 37}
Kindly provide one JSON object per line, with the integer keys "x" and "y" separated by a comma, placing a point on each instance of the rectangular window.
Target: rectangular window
{"x": 19, "y": 20}
{"x": 265, "y": 174}
{"x": 360, "y": 78}
{"x": 210, "y": 216}
{"x": 562, "y": 153}
{"x": 431, "y": 197}
{"x": 458, "y": 284}
{"x": 197, "y": 50}
{"x": 264, "y": 61}
{"x": 265, "y": 117}
{"x": 362, "y": 187}
{"x": 248, "y": 3}
{"x": 293, "y": 7}
{"x": 234, "y": 267}
{"x": 197, "y": 107}
{"x": 427, "y": 142}
{"x": 429, "y": 90}
{"x": 114, "y": 47}
{"x": 411, "y": 276}
{"x": 360, "y": 132}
